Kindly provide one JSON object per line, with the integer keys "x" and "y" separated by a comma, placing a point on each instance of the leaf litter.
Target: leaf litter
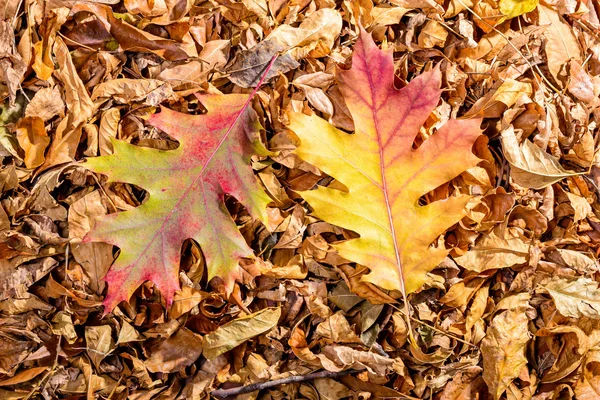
{"x": 508, "y": 307}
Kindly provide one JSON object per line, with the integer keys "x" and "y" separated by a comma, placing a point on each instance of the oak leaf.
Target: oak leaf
{"x": 187, "y": 188}
{"x": 384, "y": 175}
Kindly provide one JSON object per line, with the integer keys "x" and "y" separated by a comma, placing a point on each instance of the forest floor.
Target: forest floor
{"x": 511, "y": 310}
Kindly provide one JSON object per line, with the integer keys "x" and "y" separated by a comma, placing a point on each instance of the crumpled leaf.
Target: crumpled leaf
{"x": 315, "y": 34}
{"x": 561, "y": 45}
{"x": 503, "y": 350}
{"x": 236, "y": 332}
{"x": 46, "y": 103}
{"x": 588, "y": 386}
{"x": 178, "y": 351}
{"x": 531, "y": 166}
{"x": 134, "y": 39}
{"x": 575, "y": 297}
{"x": 12, "y": 67}
{"x": 387, "y": 177}
{"x": 186, "y": 188}
{"x": 99, "y": 342}
{"x": 79, "y": 105}
{"x": 127, "y": 90}
{"x": 569, "y": 344}
{"x": 492, "y": 251}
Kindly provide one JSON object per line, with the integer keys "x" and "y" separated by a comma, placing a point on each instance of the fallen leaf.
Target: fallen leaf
{"x": 387, "y": 177}
{"x": 79, "y": 105}
{"x": 575, "y": 297}
{"x": 561, "y": 45}
{"x": 236, "y": 332}
{"x": 569, "y": 344}
{"x": 177, "y": 352}
{"x": 320, "y": 28}
{"x": 503, "y": 350}
{"x": 186, "y": 184}
{"x": 492, "y": 251}
{"x": 532, "y": 167}
{"x": 23, "y": 376}
{"x": 33, "y": 139}
{"x": 129, "y": 90}
{"x": 336, "y": 329}
{"x": 99, "y": 343}
{"x": 12, "y": 66}
{"x": 45, "y": 104}
{"x": 514, "y": 8}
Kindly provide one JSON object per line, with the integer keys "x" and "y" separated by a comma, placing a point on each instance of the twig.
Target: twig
{"x": 223, "y": 393}
{"x": 433, "y": 328}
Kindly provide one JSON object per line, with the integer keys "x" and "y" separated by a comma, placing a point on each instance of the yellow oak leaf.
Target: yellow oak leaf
{"x": 384, "y": 175}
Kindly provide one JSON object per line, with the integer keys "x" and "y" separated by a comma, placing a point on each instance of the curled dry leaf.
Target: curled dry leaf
{"x": 492, "y": 251}
{"x": 315, "y": 34}
{"x": 561, "y": 44}
{"x": 129, "y": 90}
{"x": 531, "y": 166}
{"x": 178, "y": 351}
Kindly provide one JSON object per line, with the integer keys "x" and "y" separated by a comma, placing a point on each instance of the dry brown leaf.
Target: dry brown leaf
{"x": 561, "y": 45}
{"x": 503, "y": 350}
{"x": 177, "y": 352}
{"x": 314, "y": 37}
{"x": 130, "y": 90}
{"x": 532, "y": 167}
{"x": 99, "y": 343}
{"x": 575, "y": 297}
{"x": 492, "y": 251}
{"x": 33, "y": 139}
{"x": 79, "y": 105}
{"x": 336, "y": 329}
{"x": 236, "y": 332}
{"x": 46, "y": 104}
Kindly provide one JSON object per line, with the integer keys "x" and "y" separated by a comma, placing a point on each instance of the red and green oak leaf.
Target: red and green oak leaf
{"x": 186, "y": 189}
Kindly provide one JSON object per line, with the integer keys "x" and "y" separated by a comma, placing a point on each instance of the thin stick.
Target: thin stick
{"x": 223, "y": 393}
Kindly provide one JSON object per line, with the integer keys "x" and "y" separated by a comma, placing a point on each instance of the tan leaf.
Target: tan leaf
{"x": 46, "y": 103}
{"x": 433, "y": 34}
{"x": 532, "y": 167}
{"x": 569, "y": 344}
{"x": 99, "y": 343}
{"x": 495, "y": 102}
{"x": 33, "y": 139}
{"x": 583, "y": 86}
{"x": 503, "y": 350}
{"x": 184, "y": 300}
{"x": 79, "y": 105}
{"x": 492, "y": 251}
{"x": 127, "y": 90}
{"x": 315, "y": 37}
{"x": 561, "y": 45}
{"x": 336, "y": 329}
{"x": 236, "y": 332}
{"x": 179, "y": 351}
{"x": 23, "y": 376}
{"x": 575, "y": 297}
{"x": 588, "y": 386}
